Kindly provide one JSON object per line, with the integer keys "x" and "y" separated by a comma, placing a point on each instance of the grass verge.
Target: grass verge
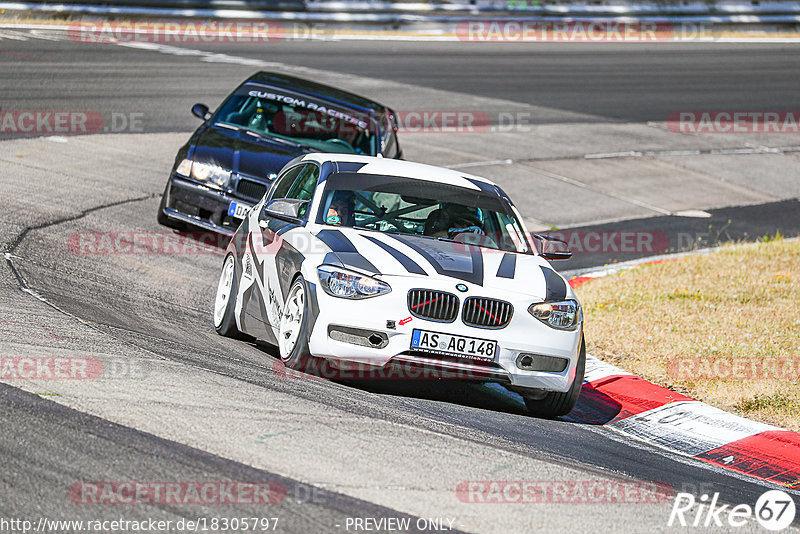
{"x": 722, "y": 327}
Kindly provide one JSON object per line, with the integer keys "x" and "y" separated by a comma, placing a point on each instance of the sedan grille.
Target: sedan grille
{"x": 250, "y": 189}
{"x": 487, "y": 313}
{"x": 433, "y": 305}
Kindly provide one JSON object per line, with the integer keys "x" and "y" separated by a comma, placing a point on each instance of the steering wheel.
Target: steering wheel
{"x": 342, "y": 142}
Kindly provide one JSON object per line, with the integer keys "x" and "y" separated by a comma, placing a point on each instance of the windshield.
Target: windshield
{"x": 282, "y": 114}
{"x": 435, "y": 210}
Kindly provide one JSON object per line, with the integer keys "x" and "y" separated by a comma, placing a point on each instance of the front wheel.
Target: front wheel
{"x": 293, "y": 332}
{"x": 225, "y": 301}
{"x": 557, "y": 403}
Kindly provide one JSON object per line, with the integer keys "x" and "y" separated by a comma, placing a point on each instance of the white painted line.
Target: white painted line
{"x": 46, "y": 35}
{"x": 696, "y": 214}
{"x": 14, "y": 36}
{"x": 480, "y": 164}
{"x": 711, "y": 152}
{"x": 582, "y": 185}
{"x": 209, "y": 57}
{"x": 689, "y": 427}
{"x": 604, "y": 155}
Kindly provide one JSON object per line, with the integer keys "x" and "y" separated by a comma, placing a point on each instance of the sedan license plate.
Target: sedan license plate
{"x": 238, "y": 209}
{"x": 449, "y": 345}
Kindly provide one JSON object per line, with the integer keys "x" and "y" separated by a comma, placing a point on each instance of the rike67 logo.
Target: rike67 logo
{"x": 774, "y": 510}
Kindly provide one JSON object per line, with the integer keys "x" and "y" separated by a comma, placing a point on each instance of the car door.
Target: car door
{"x": 254, "y": 316}
{"x": 278, "y": 257}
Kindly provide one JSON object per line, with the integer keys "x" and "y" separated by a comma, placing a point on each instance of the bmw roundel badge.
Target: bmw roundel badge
{"x": 462, "y": 287}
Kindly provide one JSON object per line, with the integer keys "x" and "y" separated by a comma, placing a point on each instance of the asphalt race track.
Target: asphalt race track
{"x": 188, "y": 405}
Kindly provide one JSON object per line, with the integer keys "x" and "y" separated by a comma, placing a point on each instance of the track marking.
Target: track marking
{"x": 13, "y": 35}
{"x": 761, "y": 149}
{"x": 209, "y": 57}
{"x": 582, "y": 185}
{"x": 46, "y": 35}
{"x": 695, "y": 214}
{"x": 651, "y": 414}
{"x": 480, "y": 164}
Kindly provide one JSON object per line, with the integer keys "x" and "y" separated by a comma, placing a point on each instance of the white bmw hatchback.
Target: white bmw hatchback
{"x": 390, "y": 263}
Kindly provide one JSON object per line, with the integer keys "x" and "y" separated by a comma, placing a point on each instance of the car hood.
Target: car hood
{"x": 242, "y": 153}
{"x": 403, "y": 255}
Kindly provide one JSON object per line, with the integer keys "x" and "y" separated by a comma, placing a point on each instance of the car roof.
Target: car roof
{"x": 405, "y": 169}
{"x": 317, "y": 89}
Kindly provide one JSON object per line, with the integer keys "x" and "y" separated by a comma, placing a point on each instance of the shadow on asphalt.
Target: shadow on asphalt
{"x": 593, "y": 408}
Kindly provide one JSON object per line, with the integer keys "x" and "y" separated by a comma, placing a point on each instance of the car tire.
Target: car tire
{"x": 293, "y": 329}
{"x": 557, "y": 403}
{"x": 225, "y": 300}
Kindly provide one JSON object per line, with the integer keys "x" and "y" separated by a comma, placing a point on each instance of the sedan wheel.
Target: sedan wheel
{"x": 292, "y": 320}
{"x": 225, "y": 301}
{"x": 293, "y": 332}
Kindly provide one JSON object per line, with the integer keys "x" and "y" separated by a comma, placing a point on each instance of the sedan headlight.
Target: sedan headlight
{"x": 205, "y": 172}
{"x": 339, "y": 282}
{"x": 185, "y": 168}
{"x": 564, "y": 315}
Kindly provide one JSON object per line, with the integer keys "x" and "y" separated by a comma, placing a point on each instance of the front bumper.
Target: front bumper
{"x": 193, "y": 203}
{"x": 524, "y": 334}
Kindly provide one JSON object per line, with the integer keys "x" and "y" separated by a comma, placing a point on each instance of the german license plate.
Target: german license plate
{"x": 449, "y": 345}
{"x": 238, "y": 209}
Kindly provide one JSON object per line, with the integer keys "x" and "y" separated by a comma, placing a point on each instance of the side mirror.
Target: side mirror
{"x": 286, "y": 207}
{"x": 200, "y": 111}
{"x": 551, "y": 248}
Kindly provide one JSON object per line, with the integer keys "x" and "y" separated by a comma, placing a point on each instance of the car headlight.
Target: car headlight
{"x": 339, "y": 282}
{"x": 205, "y": 172}
{"x": 564, "y": 315}
{"x": 185, "y": 168}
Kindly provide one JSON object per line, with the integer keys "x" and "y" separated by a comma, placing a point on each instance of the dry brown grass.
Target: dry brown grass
{"x": 682, "y": 323}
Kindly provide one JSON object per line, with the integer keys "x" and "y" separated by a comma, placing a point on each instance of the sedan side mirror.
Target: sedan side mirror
{"x": 200, "y": 111}
{"x": 286, "y": 207}
{"x": 551, "y": 248}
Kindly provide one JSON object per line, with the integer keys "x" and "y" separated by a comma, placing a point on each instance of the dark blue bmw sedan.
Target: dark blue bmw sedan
{"x": 231, "y": 159}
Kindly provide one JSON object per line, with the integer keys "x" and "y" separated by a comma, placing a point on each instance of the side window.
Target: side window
{"x": 306, "y": 183}
{"x": 285, "y": 182}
